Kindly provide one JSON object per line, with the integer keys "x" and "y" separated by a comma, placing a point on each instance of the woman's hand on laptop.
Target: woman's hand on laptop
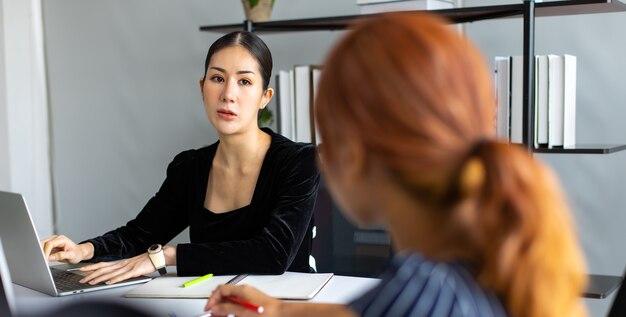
{"x": 118, "y": 271}
{"x": 59, "y": 248}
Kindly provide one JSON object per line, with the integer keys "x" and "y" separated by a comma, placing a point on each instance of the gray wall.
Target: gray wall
{"x": 4, "y": 138}
{"x": 124, "y": 100}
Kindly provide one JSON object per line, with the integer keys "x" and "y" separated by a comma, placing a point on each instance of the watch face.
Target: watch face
{"x": 154, "y": 248}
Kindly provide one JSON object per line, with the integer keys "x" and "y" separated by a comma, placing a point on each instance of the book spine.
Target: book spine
{"x": 569, "y": 101}
{"x": 517, "y": 112}
{"x": 503, "y": 99}
{"x": 555, "y": 101}
{"x": 302, "y": 103}
{"x": 316, "y": 72}
{"x": 541, "y": 101}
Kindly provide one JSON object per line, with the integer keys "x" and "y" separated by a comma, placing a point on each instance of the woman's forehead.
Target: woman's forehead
{"x": 234, "y": 58}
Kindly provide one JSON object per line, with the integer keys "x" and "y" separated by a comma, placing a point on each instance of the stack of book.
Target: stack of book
{"x": 296, "y": 89}
{"x": 555, "y": 99}
{"x": 379, "y": 6}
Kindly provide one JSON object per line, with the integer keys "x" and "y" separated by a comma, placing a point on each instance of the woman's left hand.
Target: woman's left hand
{"x": 114, "y": 272}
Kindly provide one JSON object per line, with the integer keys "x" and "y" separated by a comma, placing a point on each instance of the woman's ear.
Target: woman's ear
{"x": 201, "y": 87}
{"x": 267, "y": 96}
{"x": 355, "y": 162}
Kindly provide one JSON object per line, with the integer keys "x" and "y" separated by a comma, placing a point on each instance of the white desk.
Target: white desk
{"x": 340, "y": 290}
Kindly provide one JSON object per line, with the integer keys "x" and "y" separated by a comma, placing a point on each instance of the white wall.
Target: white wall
{"x": 24, "y": 150}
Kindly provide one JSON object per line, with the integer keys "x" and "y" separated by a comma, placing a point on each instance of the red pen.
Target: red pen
{"x": 248, "y": 305}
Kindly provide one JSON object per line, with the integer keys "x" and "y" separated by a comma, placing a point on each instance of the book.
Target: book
{"x": 517, "y": 103}
{"x": 302, "y": 104}
{"x": 554, "y": 104}
{"x": 316, "y": 72}
{"x": 362, "y": 2}
{"x": 284, "y": 104}
{"x": 406, "y": 5}
{"x": 569, "y": 101}
{"x": 289, "y": 285}
{"x": 292, "y": 97}
{"x": 555, "y": 100}
{"x": 541, "y": 100}
{"x": 503, "y": 99}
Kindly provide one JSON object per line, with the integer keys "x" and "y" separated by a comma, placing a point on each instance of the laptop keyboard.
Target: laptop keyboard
{"x": 68, "y": 281}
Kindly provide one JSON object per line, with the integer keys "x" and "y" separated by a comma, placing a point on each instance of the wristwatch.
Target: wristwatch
{"x": 155, "y": 253}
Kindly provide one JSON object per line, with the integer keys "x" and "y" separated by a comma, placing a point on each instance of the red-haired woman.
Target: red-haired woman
{"x": 405, "y": 111}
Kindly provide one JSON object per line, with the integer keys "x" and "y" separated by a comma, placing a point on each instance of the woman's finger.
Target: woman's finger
{"x": 100, "y": 270}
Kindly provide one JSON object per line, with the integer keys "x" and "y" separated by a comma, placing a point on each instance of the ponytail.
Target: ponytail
{"x": 521, "y": 229}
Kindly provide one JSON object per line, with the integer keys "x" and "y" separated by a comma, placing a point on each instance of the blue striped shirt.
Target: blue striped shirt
{"x": 415, "y": 286}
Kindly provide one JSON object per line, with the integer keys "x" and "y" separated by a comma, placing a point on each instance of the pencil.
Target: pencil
{"x": 246, "y": 304}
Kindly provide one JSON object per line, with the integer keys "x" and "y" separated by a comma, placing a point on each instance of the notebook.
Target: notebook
{"x": 7, "y": 301}
{"x": 289, "y": 285}
{"x": 26, "y": 260}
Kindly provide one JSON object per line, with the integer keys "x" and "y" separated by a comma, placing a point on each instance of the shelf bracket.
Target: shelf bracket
{"x": 248, "y": 26}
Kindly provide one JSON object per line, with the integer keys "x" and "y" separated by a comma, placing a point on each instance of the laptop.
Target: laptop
{"x": 7, "y": 301}
{"x": 26, "y": 260}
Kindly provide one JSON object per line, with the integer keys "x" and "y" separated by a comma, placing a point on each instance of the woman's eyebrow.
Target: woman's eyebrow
{"x": 219, "y": 69}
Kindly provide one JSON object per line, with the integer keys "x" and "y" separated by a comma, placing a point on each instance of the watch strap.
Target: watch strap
{"x": 157, "y": 257}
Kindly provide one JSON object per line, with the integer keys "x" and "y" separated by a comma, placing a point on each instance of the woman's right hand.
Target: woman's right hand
{"x": 220, "y": 304}
{"x": 60, "y": 248}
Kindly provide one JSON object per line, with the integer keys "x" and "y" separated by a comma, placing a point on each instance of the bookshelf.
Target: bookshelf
{"x": 457, "y": 15}
{"x": 600, "y": 286}
{"x": 528, "y": 10}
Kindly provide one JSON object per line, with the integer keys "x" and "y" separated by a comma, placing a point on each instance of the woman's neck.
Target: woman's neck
{"x": 407, "y": 223}
{"x": 409, "y": 226}
{"x": 414, "y": 227}
{"x": 242, "y": 150}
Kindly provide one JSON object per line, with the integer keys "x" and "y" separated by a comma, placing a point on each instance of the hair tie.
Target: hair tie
{"x": 476, "y": 147}
{"x": 469, "y": 175}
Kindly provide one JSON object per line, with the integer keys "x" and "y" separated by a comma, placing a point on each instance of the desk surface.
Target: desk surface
{"x": 339, "y": 290}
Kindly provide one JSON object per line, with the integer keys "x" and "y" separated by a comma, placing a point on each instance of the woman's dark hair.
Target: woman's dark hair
{"x": 250, "y": 42}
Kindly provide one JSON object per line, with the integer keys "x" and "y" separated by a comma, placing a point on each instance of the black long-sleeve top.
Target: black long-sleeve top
{"x": 269, "y": 236}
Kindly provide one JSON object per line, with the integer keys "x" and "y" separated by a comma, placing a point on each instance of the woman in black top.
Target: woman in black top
{"x": 247, "y": 199}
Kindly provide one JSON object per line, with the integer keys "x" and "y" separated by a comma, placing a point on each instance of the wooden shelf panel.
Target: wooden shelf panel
{"x": 457, "y": 15}
{"x": 584, "y": 149}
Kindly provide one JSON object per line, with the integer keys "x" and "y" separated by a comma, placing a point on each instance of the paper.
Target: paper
{"x": 172, "y": 287}
{"x": 290, "y": 285}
